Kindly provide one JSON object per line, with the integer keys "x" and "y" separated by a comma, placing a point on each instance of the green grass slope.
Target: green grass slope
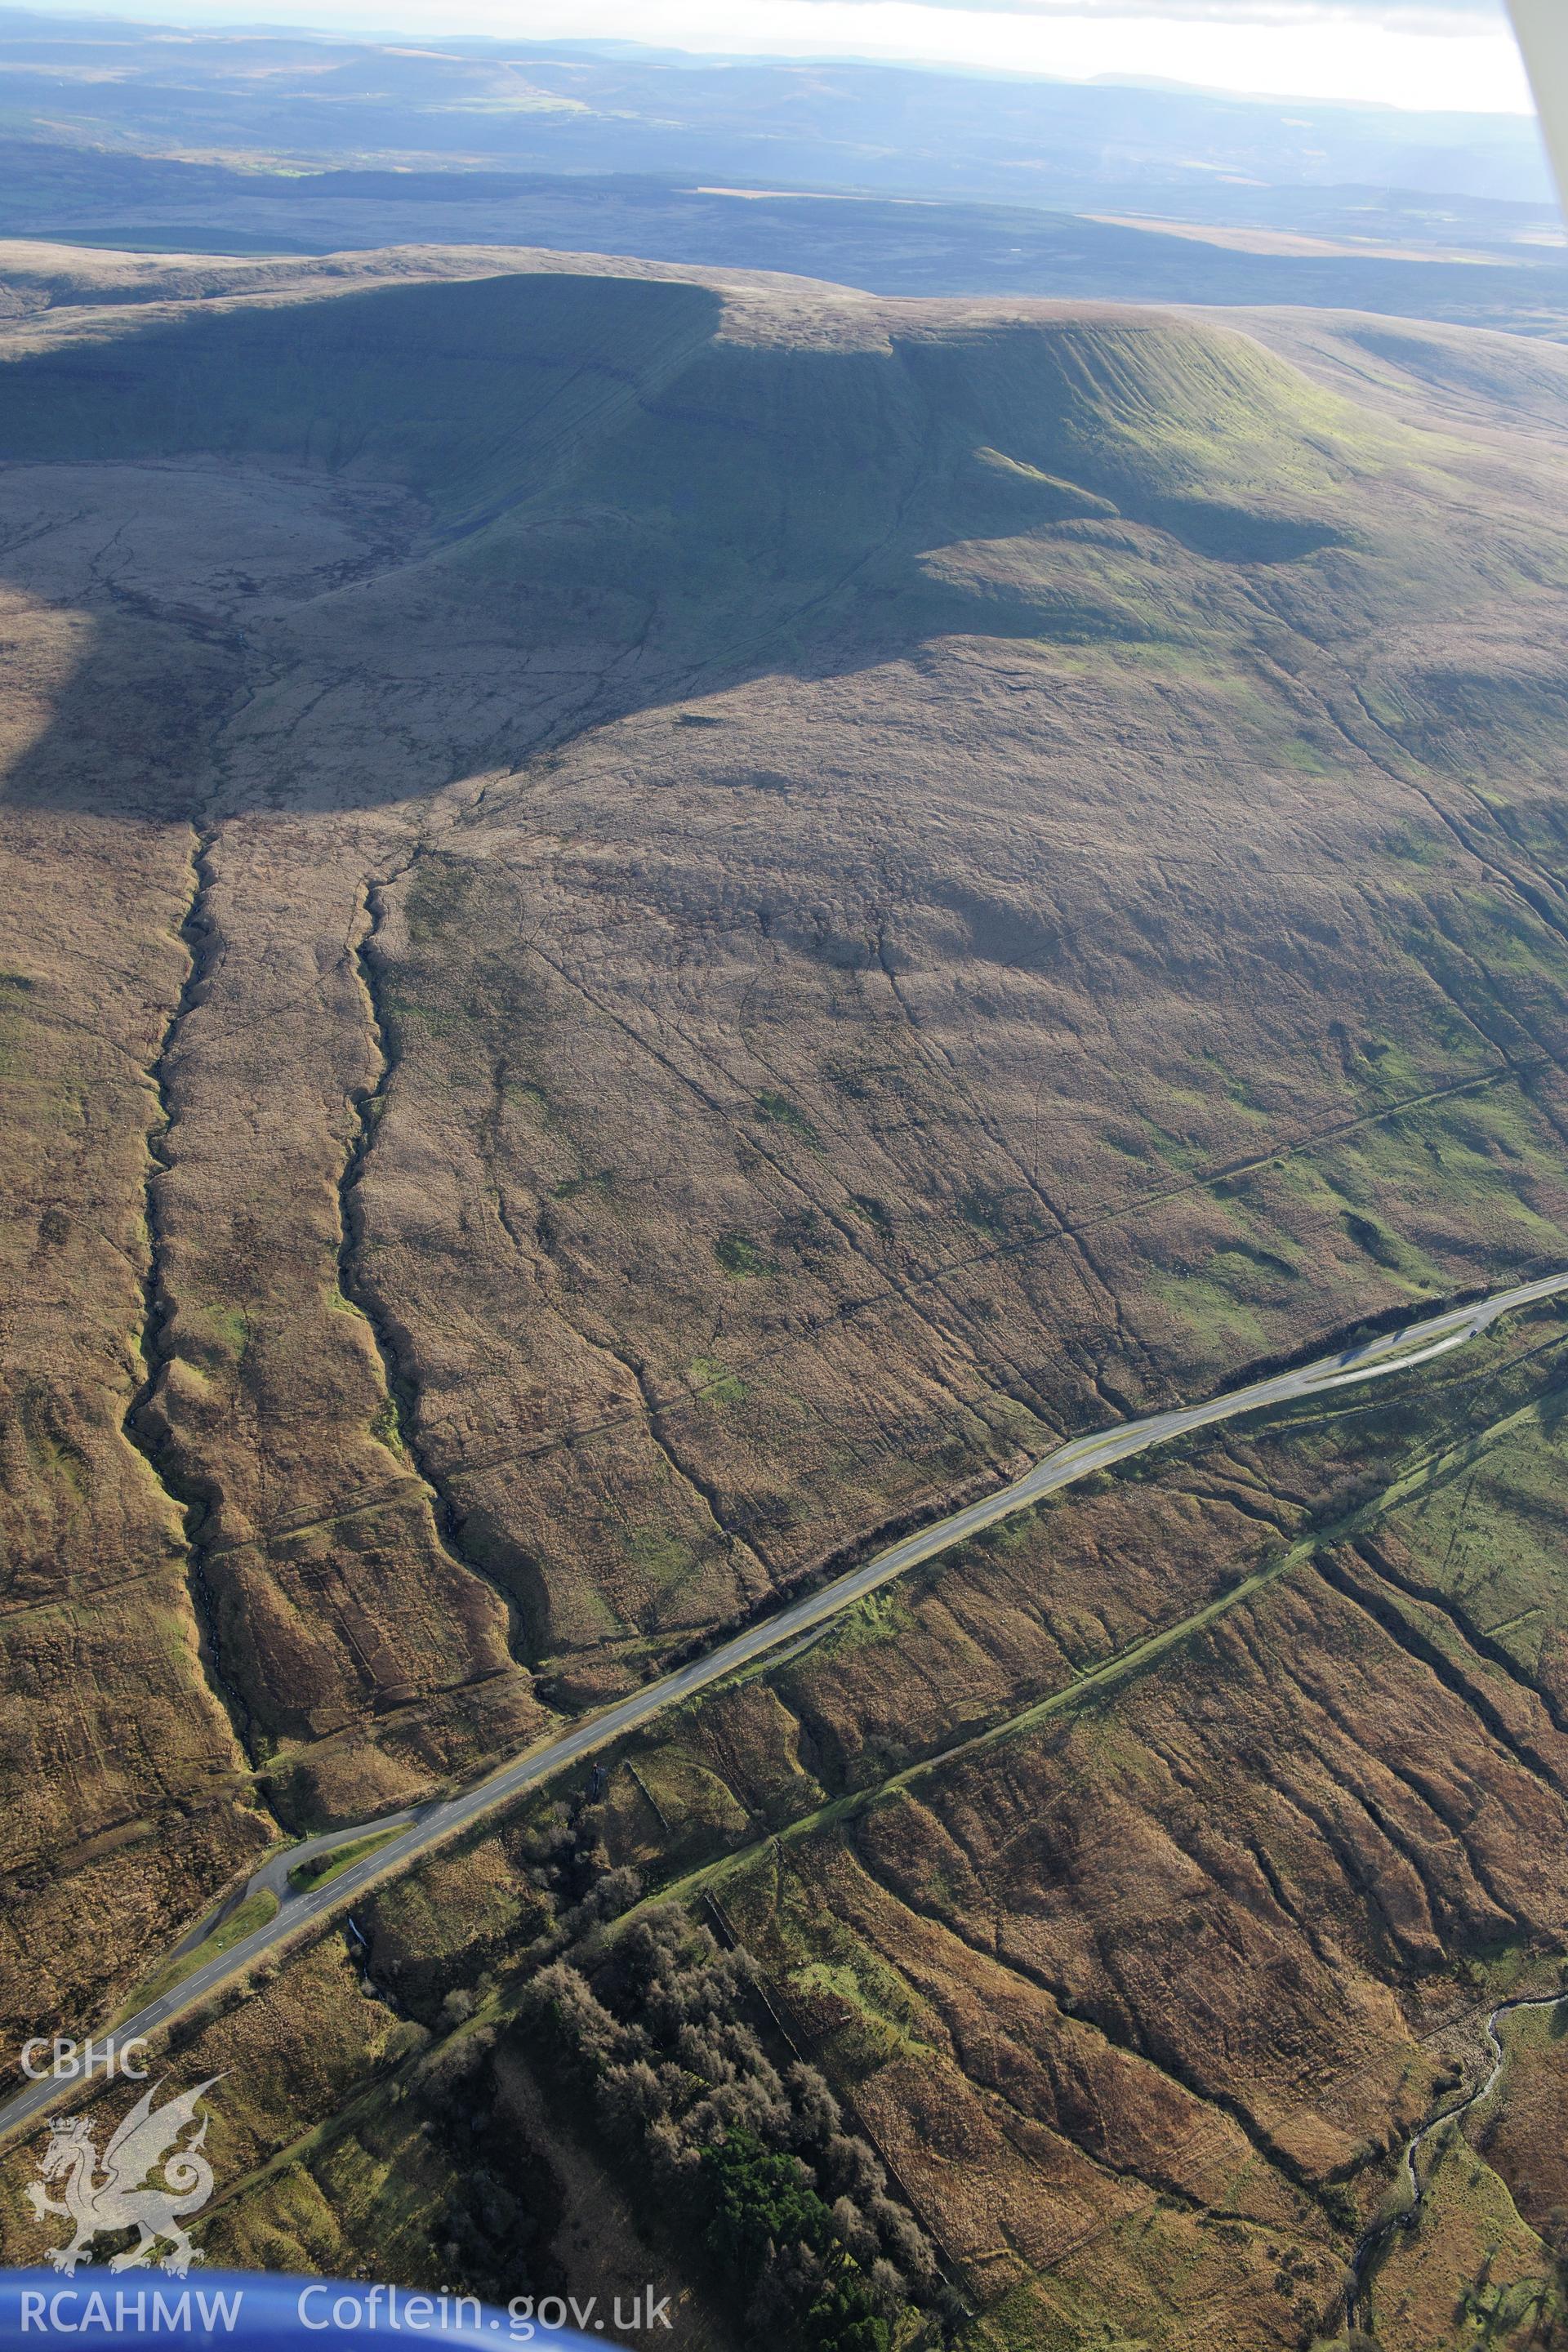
{"x": 529, "y": 389}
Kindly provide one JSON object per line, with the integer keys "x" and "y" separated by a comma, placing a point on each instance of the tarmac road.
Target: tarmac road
{"x": 430, "y": 1825}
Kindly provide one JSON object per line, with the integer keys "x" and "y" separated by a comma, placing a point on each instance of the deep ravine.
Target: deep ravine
{"x": 204, "y": 953}
{"x": 1380, "y": 2230}
{"x": 354, "y": 1282}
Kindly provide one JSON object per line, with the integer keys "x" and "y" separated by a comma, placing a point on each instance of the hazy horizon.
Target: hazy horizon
{"x": 1414, "y": 56}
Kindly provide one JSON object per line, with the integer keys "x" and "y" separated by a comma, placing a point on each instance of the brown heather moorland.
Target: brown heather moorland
{"x": 658, "y": 922}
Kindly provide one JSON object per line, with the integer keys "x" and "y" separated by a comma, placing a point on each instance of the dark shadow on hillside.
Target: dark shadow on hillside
{"x": 628, "y": 506}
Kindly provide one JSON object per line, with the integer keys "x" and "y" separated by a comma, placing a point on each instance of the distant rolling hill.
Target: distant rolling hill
{"x": 896, "y": 179}
{"x": 595, "y": 107}
{"x": 1477, "y": 263}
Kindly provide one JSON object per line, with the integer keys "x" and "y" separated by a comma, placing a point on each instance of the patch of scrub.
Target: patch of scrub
{"x": 1490, "y": 1543}
{"x": 692, "y": 1798}
{"x": 881, "y": 1617}
{"x": 384, "y": 1429}
{"x": 1212, "y": 1309}
{"x": 226, "y": 1331}
{"x": 439, "y": 897}
{"x": 740, "y": 1256}
{"x": 779, "y": 1111}
{"x": 840, "y": 1980}
{"x": 717, "y": 1384}
{"x": 665, "y": 1559}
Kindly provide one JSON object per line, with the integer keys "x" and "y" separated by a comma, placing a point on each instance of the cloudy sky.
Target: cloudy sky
{"x": 1409, "y": 53}
{"x": 1457, "y": 53}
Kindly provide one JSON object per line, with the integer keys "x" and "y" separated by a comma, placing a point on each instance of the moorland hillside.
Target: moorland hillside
{"x": 662, "y": 921}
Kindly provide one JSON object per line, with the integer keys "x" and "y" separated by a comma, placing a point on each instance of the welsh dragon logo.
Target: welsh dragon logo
{"x": 119, "y": 2196}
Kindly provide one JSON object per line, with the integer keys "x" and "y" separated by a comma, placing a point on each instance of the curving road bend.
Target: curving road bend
{"x": 430, "y": 1826}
